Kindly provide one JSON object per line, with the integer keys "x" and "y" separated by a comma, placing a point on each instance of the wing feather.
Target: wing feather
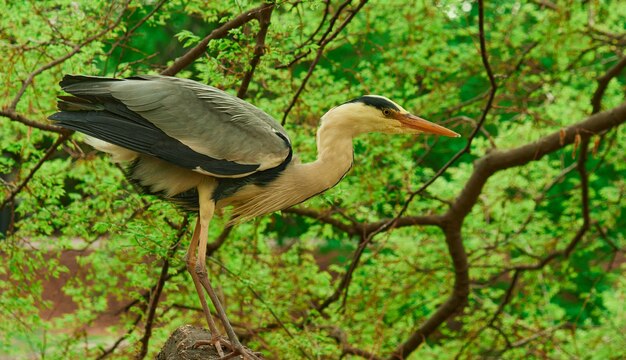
{"x": 206, "y": 119}
{"x": 181, "y": 121}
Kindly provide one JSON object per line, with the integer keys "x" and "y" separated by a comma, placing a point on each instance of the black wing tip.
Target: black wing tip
{"x": 72, "y": 79}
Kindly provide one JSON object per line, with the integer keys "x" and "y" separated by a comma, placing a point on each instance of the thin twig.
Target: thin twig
{"x": 264, "y": 18}
{"x": 603, "y": 83}
{"x": 158, "y": 288}
{"x": 198, "y": 50}
{"x": 75, "y": 50}
{"x": 12, "y": 115}
{"x": 320, "y": 52}
{"x": 131, "y": 31}
{"x": 106, "y": 353}
{"x": 451, "y": 226}
{"x": 492, "y": 93}
{"x": 32, "y": 172}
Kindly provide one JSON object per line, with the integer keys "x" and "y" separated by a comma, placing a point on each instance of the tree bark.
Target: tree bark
{"x": 181, "y": 345}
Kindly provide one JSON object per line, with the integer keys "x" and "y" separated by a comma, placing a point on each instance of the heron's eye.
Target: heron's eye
{"x": 386, "y": 112}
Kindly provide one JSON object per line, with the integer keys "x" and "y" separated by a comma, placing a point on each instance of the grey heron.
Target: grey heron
{"x": 204, "y": 149}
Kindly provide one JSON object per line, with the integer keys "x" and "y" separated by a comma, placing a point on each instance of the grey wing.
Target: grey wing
{"x": 205, "y": 119}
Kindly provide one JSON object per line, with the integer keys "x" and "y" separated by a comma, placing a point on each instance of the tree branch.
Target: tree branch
{"x": 498, "y": 160}
{"x": 156, "y": 293}
{"x": 75, "y": 50}
{"x": 132, "y": 30}
{"x": 320, "y": 52}
{"x": 264, "y": 17}
{"x": 32, "y": 172}
{"x": 12, "y": 115}
{"x": 483, "y": 169}
{"x": 218, "y": 33}
{"x": 603, "y": 83}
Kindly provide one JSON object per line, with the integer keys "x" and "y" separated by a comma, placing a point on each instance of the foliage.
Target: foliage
{"x": 274, "y": 272}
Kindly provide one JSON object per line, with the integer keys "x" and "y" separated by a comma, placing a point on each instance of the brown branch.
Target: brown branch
{"x": 319, "y": 27}
{"x": 596, "y": 102}
{"x": 12, "y": 115}
{"x": 318, "y": 56}
{"x": 323, "y": 217}
{"x": 44, "y": 158}
{"x": 603, "y": 83}
{"x": 347, "y": 277}
{"x": 455, "y": 301}
{"x": 75, "y": 50}
{"x": 158, "y": 289}
{"x": 384, "y": 225}
{"x": 498, "y": 160}
{"x": 518, "y": 270}
{"x": 264, "y": 18}
{"x": 118, "y": 342}
{"x": 132, "y": 30}
{"x": 367, "y": 232}
{"x": 198, "y": 50}
{"x": 365, "y": 229}
{"x": 485, "y": 167}
{"x": 483, "y": 117}
{"x": 452, "y": 224}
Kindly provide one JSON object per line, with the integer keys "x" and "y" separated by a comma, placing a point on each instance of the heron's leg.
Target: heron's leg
{"x": 191, "y": 259}
{"x": 207, "y": 208}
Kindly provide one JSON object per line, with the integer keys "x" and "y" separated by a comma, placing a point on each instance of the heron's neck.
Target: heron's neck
{"x": 299, "y": 182}
{"x": 334, "y": 158}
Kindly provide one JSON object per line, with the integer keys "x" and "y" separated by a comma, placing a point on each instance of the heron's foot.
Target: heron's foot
{"x": 235, "y": 352}
{"x": 216, "y": 342}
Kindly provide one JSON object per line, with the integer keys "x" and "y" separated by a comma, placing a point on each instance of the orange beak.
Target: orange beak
{"x": 413, "y": 122}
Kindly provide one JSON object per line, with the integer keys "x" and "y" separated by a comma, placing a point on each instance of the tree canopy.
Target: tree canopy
{"x": 506, "y": 243}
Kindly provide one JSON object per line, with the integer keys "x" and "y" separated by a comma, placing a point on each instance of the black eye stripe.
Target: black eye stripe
{"x": 377, "y": 102}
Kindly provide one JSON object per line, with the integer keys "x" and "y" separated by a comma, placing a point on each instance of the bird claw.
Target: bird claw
{"x": 244, "y": 353}
{"x": 216, "y": 343}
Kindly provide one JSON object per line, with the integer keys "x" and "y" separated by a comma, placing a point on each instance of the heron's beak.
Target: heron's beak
{"x": 416, "y": 123}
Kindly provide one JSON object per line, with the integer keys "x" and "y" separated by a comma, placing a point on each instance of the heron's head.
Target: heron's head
{"x": 373, "y": 113}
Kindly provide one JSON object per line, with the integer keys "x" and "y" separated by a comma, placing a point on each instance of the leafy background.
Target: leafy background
{"x": 84, "y": 256}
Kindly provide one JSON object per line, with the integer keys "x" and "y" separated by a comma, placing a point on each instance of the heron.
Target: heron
{"x": 204, "y": 149}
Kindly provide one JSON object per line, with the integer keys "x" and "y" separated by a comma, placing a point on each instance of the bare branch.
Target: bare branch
{"x": 320, "y": 52}
{"x": 218, "y": 33}
{"x": 132, "y": 30}
{"x": 366, "y": 229}
{"x": 311, "y": 37}
{"x": 324, "y": 217}
{"x": 156, "y": 292}
{"x": 603, "y": 83}
{"x": 259, "y": 49}
{"x": 32, "y": 172}
{"x": 347, "y": 277}
{"x": 8, "y": 113}
{"x": 483, "y": 117}
{"x": 106, "y": 353}
{"x": 75, "y": 50}
{"x": 498, "y": 160}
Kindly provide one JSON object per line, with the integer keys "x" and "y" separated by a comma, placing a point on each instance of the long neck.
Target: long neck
{"x": 334, "y": 158}
{"x": 299, "y": 182}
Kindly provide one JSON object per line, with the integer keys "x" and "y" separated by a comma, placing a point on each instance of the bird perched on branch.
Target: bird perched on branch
{"x": 204, "y": 149}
